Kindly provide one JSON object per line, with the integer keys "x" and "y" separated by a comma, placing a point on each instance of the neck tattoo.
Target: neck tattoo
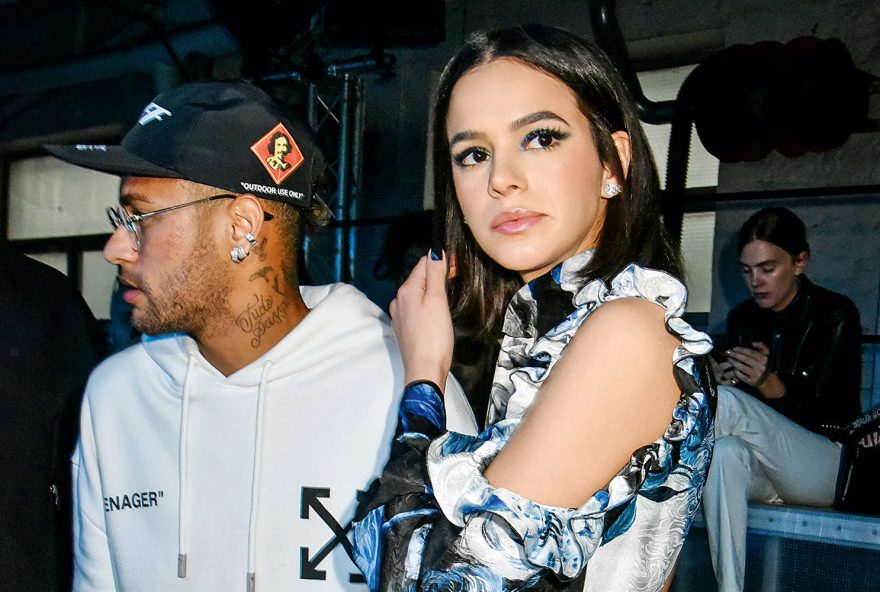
{"x": 261, "y": 315}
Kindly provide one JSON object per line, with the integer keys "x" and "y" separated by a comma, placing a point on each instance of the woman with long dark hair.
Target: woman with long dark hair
{"x": 600, "y": 417}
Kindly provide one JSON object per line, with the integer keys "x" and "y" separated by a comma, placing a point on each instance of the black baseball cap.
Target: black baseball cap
{"x": 229, "y": 135}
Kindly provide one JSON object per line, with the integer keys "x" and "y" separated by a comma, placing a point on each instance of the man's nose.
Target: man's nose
{"x": 118, "y": 248}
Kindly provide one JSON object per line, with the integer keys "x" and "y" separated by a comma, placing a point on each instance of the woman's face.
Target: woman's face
{"x": 771, "y": 273}
{"x": 525, "y": 168}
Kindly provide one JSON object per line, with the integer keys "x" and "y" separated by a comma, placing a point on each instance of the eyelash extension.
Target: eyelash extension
{"x": 459, "y": 158}
{"x": 554, "y": 132}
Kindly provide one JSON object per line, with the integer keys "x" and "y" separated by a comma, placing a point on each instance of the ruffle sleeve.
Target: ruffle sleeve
{"x": 489, "y": 530}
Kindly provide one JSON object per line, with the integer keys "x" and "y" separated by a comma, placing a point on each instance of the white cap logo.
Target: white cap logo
{"x": 153, "y": 112}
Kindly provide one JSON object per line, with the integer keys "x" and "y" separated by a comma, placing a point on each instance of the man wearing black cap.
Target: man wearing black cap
{"x": 225, "y": 450}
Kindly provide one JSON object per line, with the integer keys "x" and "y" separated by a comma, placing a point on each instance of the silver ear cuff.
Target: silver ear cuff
{"x": 250, "y": 238}
{"x": 238, "y": 254}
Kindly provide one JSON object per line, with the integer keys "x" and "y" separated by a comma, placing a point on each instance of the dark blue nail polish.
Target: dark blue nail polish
{"x": 434, "y": 255}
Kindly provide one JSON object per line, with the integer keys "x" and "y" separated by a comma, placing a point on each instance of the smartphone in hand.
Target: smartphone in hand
{"x": 721, "y": 344}
{"x": 721, "y": 366}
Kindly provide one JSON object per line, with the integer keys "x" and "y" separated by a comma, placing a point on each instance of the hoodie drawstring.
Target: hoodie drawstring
{"x": 255, "y": 481}
{"x": 181, "y": 477}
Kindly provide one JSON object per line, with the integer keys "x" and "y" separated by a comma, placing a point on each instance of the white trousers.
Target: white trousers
{"x": 760, "y": 456}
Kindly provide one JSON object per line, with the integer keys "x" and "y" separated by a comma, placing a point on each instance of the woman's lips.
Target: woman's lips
{"x": 514, "y": 221}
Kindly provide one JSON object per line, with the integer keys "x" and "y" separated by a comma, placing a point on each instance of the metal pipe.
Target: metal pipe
{"x": 312, "y": 113}
{"x": 356, "y": 172}
{"x": 340, "y": 250}
{"x": 603, "y": 20}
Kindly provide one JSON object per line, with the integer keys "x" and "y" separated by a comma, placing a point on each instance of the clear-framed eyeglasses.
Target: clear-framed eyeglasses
{"x": 119, "y": 216}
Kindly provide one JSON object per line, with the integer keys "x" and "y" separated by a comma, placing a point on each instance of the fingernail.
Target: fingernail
{"x": 434, "y": 255}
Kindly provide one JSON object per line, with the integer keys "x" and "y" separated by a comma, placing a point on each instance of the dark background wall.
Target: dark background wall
{"x": 82, "y": 70}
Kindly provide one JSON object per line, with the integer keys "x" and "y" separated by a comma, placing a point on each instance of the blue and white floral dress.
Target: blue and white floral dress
{"x": 433, "y": 522}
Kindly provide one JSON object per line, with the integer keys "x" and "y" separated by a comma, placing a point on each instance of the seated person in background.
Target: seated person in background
{"x": 794, "y": 368}
{"x": 224, "y": 451}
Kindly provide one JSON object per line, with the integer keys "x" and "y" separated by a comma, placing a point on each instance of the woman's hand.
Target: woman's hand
{"x": 723, "y": 371}
{"x": 750, "y": 364}
{"x": 421, "y": 320}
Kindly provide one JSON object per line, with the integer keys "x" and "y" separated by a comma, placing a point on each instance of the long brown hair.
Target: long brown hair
{"x": 632, "y": 231}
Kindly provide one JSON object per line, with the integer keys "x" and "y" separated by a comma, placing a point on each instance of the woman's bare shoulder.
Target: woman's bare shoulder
{"x": 615, "y": 376}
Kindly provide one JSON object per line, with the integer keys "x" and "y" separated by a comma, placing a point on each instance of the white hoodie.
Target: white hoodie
{"x": 245, "y": 481}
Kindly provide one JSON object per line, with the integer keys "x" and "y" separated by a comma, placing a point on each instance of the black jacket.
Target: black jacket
{"x": 49, "y": 342}
{"x": 815, "y": 349}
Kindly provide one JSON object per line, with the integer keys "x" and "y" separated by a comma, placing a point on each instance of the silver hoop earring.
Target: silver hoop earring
{"x": 238, "y": 254}
{"x": 611, "y": 189}
{"x": 250, "y": 238}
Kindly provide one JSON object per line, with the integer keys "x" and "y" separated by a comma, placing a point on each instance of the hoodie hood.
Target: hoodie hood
{"x": 339, "y": 317}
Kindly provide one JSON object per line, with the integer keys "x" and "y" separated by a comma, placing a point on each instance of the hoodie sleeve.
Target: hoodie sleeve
{"x": 459, "y": 415}
{"x": 92, "y": 570}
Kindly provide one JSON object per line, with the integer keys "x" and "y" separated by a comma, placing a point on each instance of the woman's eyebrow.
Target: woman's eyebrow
{"x": 463, "y": 136}
{"x": 516, "y": 124}
{"x": 535, "y": 118}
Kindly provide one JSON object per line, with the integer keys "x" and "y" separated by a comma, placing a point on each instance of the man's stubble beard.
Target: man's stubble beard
{"x": 192, "y": 299}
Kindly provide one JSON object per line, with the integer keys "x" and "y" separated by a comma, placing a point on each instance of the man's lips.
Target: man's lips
{"x": 129, "y": 291}
{"x": 516, "y": 220}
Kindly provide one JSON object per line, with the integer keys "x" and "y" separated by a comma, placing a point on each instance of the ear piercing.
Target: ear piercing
{"x": 611, "y": 189}
{"x": 238, "y": 254}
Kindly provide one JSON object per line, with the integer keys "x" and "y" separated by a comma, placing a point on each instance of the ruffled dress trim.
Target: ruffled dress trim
{"x": 671, "y": 470}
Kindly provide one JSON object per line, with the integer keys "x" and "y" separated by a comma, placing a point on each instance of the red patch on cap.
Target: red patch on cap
{"x": 278, "y": 153}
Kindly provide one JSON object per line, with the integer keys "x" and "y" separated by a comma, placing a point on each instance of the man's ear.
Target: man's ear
{"x": 246, "y": 217}
{"x": 624, "y": 153}
{"x": 800, "y": 262}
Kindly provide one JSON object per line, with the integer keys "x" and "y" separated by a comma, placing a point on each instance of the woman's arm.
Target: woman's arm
{"x": 612, "y": 392}
{"x": 597, "y": 422}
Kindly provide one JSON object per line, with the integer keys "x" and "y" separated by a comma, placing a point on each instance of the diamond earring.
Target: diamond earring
{"x": 611, "y": 189}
